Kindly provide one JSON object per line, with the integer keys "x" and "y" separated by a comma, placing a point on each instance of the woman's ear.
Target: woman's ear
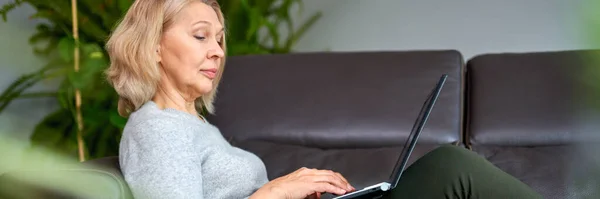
{"x": 157, "y": 54}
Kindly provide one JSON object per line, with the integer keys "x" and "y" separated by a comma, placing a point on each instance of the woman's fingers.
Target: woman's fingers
{"x": 327, "y": 187}
{"x": 329, "y": 181}
{"x": 345, "y": 180}
{"x": 333, "y": 180}
{"x": 342, "y": 182}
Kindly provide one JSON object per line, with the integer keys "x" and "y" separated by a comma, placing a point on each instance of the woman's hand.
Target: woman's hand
{"x": 303, "y": 183}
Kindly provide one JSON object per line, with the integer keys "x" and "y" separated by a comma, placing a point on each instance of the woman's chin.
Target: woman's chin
{"x": 204, "y": 89}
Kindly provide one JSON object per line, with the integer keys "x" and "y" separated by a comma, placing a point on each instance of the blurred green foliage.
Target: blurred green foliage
{"x": 254, "y": 27}
{"x": 40, "y": 169}
{"x": 590, "y": 18}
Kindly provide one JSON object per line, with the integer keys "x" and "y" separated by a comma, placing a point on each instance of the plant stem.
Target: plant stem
{"x": 77, "y": 92}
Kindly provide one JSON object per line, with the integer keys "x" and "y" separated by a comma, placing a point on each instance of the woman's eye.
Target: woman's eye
{"x": 200, "y": 38}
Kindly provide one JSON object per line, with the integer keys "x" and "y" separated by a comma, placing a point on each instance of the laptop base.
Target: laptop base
{"x": 369, "y": 192}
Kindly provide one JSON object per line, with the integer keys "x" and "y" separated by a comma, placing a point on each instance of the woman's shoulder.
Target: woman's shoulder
{"x": 149, "y": 112}
{"x": 151, "y": 123}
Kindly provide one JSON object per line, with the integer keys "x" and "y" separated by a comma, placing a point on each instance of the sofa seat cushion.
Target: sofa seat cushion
{"x": 360, "y": 166}
{"x": 561, "y": 171}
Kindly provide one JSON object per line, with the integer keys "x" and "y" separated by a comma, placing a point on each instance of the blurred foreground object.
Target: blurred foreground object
{"x": 42, "y": 173}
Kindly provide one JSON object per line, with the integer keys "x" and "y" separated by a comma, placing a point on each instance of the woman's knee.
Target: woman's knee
{"x": 452, "y": 154}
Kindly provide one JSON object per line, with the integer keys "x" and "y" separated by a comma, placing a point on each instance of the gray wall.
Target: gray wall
{"x": 17, "y": 58}
{"x": 470, "y": 26}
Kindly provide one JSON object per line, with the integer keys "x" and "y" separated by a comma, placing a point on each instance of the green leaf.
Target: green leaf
{"x": 264, "y": 6}
{"x": 117, "y": 120}
{"x": 77, "y": 80}
{"x": 8, "y": 7}
{"x": 298, "y": 34}
{"x": 66, "y": 47}
{"x": 37, "y": 95}
{"x": 16, "y": 88}
{"x": 300, "y": 6}
{"x": 124, "y": 5}
{"x": 255, "y": 23}
{"x": 47, "y": 14}
{"x": 43, "y": 32}
{"x": 283, "y": 13}
{"x": 92, "y": 66}
{"x": 92, "y": 50}
{"x": 53, "y": 128}
{"x": 66, "y": 95}
{"x": 273, "y": 34}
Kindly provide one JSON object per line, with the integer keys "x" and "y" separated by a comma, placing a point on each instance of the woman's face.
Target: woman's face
{"x": 190, "y": 51}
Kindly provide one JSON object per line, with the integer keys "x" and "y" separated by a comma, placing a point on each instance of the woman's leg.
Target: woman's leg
{"x": 455, "y": 172}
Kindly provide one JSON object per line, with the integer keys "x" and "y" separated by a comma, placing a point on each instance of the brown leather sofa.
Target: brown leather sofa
{"x": 531, "y": 114}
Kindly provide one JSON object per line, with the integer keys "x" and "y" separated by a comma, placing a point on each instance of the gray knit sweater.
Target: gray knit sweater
{"x": 172, "y": 154}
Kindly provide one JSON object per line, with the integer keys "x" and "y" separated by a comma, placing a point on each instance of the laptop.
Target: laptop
{"x": 377, "y": 190}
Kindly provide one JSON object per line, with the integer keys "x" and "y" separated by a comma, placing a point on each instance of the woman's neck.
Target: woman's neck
{"x": 172, "y": 99}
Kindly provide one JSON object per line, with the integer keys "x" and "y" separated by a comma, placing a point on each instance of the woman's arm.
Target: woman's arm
{"x": 161, "y": 163}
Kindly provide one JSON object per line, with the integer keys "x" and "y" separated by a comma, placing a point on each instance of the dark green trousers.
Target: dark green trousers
{"x": 455, "y": 172}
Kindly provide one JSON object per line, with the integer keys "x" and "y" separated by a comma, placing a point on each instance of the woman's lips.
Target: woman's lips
{"x": 210, "y": 73}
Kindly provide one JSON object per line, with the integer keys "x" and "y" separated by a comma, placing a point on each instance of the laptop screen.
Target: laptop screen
{"x": 416, "y": 130}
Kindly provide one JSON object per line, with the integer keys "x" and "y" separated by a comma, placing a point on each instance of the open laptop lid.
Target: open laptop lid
{"x": 415, "y": 132}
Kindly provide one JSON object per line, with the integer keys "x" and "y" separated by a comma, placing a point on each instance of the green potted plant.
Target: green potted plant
{"x": 101, "y": 125}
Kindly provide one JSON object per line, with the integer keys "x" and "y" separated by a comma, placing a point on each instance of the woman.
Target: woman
{"x": 167, "y": 57}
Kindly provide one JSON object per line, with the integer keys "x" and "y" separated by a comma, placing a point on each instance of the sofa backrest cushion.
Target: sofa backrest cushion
{"x": 541, "y": 98}
{"x": 338, "y": 100}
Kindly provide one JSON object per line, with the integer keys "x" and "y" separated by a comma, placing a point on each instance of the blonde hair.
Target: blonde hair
{"x": 133, "y": 71}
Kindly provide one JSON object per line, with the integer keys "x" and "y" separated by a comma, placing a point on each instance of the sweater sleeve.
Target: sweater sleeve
{"x": 159, "y": 161}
